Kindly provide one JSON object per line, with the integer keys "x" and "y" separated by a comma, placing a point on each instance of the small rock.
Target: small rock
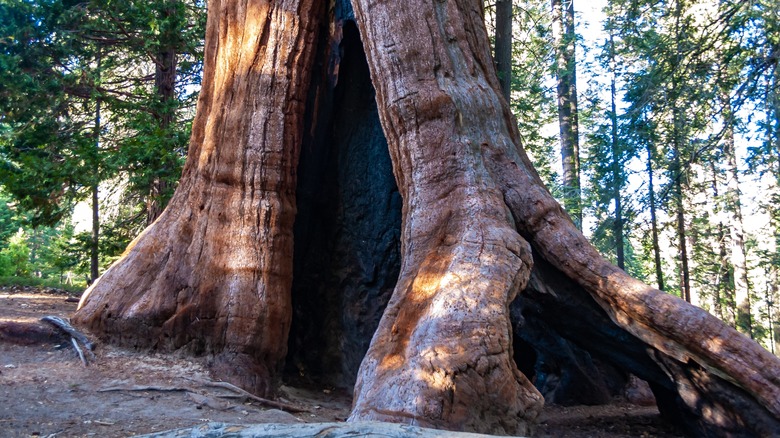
{"x": 274, "y": 416}
{"x": 638, "y": 392}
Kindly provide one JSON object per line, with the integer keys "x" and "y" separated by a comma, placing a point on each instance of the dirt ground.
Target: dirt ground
{"x": 46, "y": 391}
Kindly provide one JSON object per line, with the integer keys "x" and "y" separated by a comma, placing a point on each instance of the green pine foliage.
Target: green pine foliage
{"x": 94, "y": 95}
{"x": 533, "y": 94}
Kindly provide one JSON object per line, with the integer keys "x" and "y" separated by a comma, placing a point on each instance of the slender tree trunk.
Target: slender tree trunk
{"x": 617, "y": 178}
{"x": 503, "y": 52}
{"x": 35, "y": 244}
{"x": 659, "y": 273}
{"x": 773, "y": 134}
{"x": 723, "y": 278}
{"x": 771, "y": 299}
{"x": 565, "y": 65}
{"x": 675, "y": 96}
{"x": 773, "y": 89}
{"x": 212, "y": 275}
{"x": 94, "y": 247}
{"x": 571, "y": 69}
{"x": 165, "y": 87}
{"x": 685, "y": 275}
{"x": 744, "y": 319}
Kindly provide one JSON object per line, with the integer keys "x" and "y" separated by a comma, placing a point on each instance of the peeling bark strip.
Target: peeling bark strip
{"x": 442, "y": 355}
{"x": 213, "y": 273}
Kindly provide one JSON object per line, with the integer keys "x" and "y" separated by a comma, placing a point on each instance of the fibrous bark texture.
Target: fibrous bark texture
{"x": 503, "y": 43}
{"x": 564, "y": 41}
{"x": 469, "y": 191}
{"x": 213, "y": 273}
{"x": 442, "y": 355}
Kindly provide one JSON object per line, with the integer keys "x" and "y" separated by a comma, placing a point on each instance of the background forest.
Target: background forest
{"x": 657, "y": 126}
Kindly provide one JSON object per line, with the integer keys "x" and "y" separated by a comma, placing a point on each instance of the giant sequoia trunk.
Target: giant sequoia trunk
{"x": 442, "y": 355}
{"x": 469, "y": 194}
{"x": 214, "y": 273}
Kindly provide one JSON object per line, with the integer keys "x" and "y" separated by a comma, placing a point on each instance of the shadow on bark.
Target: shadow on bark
{"x": 699, "y": 402}
{"x": 465, "y": 181}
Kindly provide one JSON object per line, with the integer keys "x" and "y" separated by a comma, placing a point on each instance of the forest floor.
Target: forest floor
{"x": 46, "y": 391}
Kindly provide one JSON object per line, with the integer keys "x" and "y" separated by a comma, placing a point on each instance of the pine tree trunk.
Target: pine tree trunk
{"x": 165, "y": 87}
{"x": 94, "y": 245}
{"x": 565, "y": 65}
{"x": 659, "y": 273}
{"x": 213, "y": 274}
{"x": 723, "y": 291}
{"x": 504, "y": 46}
{"x": 744, "y": 319}
{"x": 682, "y": 240}
{"x": 617, "y": 179}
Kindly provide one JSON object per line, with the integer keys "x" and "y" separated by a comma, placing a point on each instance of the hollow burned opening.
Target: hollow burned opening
{"x": 347, "y": 230}
{"x": 347, "y": 259}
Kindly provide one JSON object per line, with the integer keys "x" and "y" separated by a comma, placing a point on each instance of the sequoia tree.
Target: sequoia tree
{"x": 213, "y": 274}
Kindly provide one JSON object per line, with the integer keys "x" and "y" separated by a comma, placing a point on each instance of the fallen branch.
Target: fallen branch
{"x": 29, "y": 333}
{"x": 75, "y": 336}
{"x": 145, "y": 388}
{"x": 67, "y": 328}
{"x": 78, "y": 350}
{"x": 264, "y": 401}
{"x": 224, "y": 385}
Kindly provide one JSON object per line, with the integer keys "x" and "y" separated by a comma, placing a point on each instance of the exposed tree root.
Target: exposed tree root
{"x": 214, "y": 384}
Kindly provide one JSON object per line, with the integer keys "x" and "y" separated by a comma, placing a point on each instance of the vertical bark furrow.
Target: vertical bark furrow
{"x": 213, "y": 274}
{"x": 442, "y": 353}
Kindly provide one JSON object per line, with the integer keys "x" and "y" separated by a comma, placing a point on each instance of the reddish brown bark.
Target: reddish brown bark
{"x": 438, "y": 356}
{"x": 212, "y": 275}
{"x": 442, "y": 355}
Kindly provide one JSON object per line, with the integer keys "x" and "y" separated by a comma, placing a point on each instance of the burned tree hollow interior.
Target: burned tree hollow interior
{"x": 347, "y": 230}
{"x": 347, "y": 243}
{"x": 347, "y": 240}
